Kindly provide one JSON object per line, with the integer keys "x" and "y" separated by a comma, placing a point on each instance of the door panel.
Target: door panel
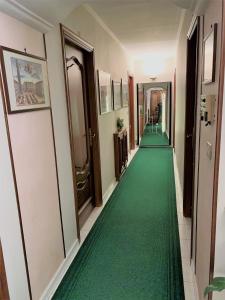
{"x": 80, "y": 126}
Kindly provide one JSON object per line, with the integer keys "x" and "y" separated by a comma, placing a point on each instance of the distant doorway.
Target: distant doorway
{"x": 154, "y": 114}
{"x": 131, "y": 112}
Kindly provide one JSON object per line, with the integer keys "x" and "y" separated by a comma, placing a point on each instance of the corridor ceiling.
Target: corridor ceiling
{"x": 141, "y": 26}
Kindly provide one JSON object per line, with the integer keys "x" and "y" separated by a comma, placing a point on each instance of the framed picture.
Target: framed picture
{"x": 125, "y": 94}
{"x": 105, "y": 92}
{"x": 25, "y": 81}
{"x": 117, "y": 94}
{"x": 209, "y": 47}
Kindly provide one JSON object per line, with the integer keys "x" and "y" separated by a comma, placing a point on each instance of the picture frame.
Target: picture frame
{"x": 25, "y": 81}
{"x": 117, "y": 94}
{"x": 105, "y": 92}
{"x": 125, "y": 94}
{"x": 209, "y": 55}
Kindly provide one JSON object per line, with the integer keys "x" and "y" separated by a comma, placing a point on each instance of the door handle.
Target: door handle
{"x": 189, "y": 136}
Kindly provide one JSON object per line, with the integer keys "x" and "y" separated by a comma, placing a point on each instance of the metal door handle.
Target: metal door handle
{"x": 188, "y": 136}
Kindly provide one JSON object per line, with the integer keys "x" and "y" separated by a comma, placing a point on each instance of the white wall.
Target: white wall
{"x": 219, "y": 267}
{"x": 164, "y": 74}
{"x": 16, "y": 35}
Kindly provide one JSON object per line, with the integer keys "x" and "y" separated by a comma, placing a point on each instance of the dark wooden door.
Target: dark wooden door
{"x": 82, "y": 136}
{"x": 131, "y": 112}
{"x": 190, "y": 121}
{"x": 4, "y": 293}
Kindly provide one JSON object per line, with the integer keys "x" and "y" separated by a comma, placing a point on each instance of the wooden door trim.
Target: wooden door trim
{"x": 69, "y": 37}
{"x": 169, "y": 91}
{"x": 3, "y": 277}
{"x": 217, "y": 148}
{"x": 131, "y": 111}
{"x": 138, "y": 133}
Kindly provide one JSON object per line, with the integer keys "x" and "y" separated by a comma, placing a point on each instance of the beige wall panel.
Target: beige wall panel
{"x": 33, "y": 152}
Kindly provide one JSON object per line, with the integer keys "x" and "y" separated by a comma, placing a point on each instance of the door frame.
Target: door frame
{"x": 70, "y": 38}
{"x": 131, "y": 111}
{"x": 3, "y": 277}
{"x": 138, "y": 130}
{"x": 169, "y": 97}
{"x": 187, "y": 202}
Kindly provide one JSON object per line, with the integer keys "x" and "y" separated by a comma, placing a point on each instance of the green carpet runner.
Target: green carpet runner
{"x": 133, "y": 250}
{"x": 151, "y": 138}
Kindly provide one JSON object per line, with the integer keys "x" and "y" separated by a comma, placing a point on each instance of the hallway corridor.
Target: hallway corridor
{"x": 133, "y": 250}
{"x": 154, "y": 137}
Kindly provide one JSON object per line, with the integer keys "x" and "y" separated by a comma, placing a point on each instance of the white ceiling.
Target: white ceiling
{"x": 53, "y": 11}
{"x": 143, "y": 27}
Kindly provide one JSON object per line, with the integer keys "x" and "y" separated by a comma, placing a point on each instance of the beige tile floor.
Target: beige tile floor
{"x": 185, "y": 238}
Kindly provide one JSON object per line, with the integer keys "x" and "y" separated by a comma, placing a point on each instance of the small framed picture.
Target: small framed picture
{"x": 25, "y": 81}
{"x": 125, "y": 94}
{"x": 117, "y": 94}
{"x": 105, "y": 92}
{"x": 209, "y": 48}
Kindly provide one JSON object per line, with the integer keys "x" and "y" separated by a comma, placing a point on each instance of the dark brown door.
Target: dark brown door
{"x": 4, "y": 294}
{"x": 190, "y": 121}
{"x": 82, "y": 137}
{"x": 131, "y": 111}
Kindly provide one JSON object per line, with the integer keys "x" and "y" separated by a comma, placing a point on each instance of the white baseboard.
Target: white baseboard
{"x": 177, "y": 178}
{"x": 109, "y": 191}
{"x": 57, "y": 278}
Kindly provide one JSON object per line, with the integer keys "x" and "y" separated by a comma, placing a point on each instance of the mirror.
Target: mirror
{"x": 154, "y": 114}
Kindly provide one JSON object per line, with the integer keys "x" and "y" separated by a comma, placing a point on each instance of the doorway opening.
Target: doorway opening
{"x": 154, "y": 114}
{"x": 190, "y": 120}
{"x": 131, "y": 112}
{"x": 78, "y": 57}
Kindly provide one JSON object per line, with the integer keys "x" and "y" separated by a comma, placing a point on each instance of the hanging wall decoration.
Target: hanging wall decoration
{"x": 105, "y": 92}
{"x": 117, "y": 94}
{"x": 125, "y": 94}
{"x": 209, "y": 47}
{"x": 25, "y": 81}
